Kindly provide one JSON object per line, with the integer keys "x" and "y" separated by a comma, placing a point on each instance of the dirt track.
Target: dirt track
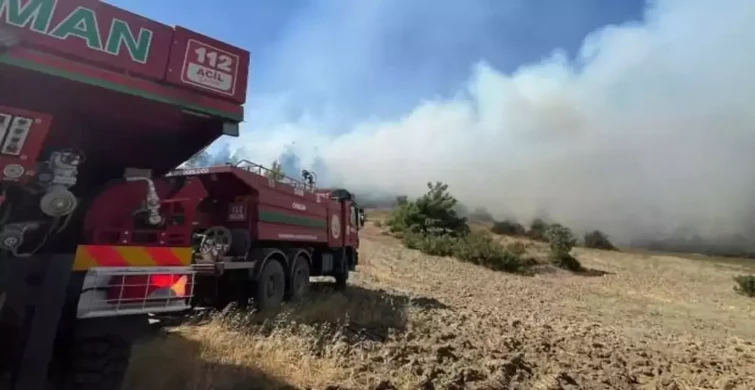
{"x": 412, "y": 321}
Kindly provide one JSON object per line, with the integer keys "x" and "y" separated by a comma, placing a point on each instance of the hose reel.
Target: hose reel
{"x": 216, "y": 242}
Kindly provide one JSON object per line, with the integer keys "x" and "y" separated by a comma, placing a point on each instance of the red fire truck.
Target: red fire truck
{"x": 97, "y": 227}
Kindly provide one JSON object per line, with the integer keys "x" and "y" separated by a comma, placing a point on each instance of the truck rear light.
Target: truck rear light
{"x": 16, "y": 135}
{"x": 126, "y": 289}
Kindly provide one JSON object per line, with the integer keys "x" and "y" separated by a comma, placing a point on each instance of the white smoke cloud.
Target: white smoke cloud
{"x": 650, "y": 129}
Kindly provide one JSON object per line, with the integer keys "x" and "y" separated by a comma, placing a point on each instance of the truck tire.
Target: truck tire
{"x": 98, "y": 363}
{"x": 270, "y": 286}
{"x": 300, "y": 279}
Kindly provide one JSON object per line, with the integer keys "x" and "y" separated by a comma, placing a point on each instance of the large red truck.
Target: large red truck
{"x": 97, "y": 227}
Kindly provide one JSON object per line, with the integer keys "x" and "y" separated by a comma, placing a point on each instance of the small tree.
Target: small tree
{"x": 537, "y": 230}
{"x": 598, "y": 240}
{"x": 561, "y": 241}
{"x": 431, "y": 214}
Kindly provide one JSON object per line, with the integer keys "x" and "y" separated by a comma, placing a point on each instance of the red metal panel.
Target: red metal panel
{"x": 120, "y": 39}
{"x": 206, "y": 64}
{"x": 280, "y": 198}
{"x": 130, "y": 85}
{"x": 109, "y": 218}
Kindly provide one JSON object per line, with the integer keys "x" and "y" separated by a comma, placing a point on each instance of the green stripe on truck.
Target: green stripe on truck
{"x": 273, "y": 217}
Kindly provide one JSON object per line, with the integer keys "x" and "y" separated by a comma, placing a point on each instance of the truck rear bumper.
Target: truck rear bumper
{"x": 118, "y": 291}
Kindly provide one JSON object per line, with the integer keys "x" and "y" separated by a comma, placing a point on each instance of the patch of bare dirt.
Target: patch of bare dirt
{"x": 410, "y": 321}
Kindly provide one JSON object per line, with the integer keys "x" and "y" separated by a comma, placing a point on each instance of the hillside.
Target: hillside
{"x": 412, "y": 321}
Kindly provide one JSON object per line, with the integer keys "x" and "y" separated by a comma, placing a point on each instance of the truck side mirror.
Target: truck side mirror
{"x": 362, "y": 217}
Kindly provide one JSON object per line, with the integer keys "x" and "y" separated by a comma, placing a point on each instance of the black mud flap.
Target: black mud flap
{"x": 33, "y": 293}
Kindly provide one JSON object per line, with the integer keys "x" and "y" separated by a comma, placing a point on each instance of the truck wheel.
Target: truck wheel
{"x": 271, "y": 286}
{"x": 300, "y": 279}
{"x": 98, "y": 363}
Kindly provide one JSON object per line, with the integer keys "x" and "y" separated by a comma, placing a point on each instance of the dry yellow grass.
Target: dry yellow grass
{"x": 411, "y": 321}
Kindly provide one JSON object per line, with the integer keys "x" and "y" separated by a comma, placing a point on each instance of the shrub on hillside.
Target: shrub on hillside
{"x": 508, "y": 228}
{"x": 745, "y": 285}
{"x": 560, "y": 238}
{"x": 561, "y": 242}
{"x": 443, "y": 245}
{"x": 431, "y": 214}
{"x": 537, "y": 230}
{"x": 431, "y": 224}
{"x": 482, "y": 250}
{"x": 475, "y": 248}
{"x": 598, "y": 240}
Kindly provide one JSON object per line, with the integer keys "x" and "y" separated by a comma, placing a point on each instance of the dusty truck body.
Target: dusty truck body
{"x": 249, "y": 234}
{"x": 97, "y": 107}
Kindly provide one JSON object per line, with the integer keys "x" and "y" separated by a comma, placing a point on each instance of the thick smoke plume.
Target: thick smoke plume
{"x": 648, "y": 132}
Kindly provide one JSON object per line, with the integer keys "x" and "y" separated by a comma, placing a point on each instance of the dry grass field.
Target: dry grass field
{"x": 411, "y": 321}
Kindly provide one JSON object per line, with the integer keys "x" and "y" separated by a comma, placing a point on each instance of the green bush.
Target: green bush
{"x": 745, "y": 285}
{"x": 537, "y": 230}
{"x": 473, "y": 248}
{"x": 432, "y": 245}
{"x": 508, "y": 228}
{"x": 431, "y": 214}
{"x": 431, "y": 224}
{"x": 482, "y": 250}
{"x": 560, "y": 238}
{"x": 598, "y": 240}
{"x": 561, "y": 241}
